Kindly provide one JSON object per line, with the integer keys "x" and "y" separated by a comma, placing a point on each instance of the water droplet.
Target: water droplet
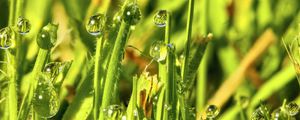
{"x": 23, "y": 25}
{"x": 47, "y": 36}
{"x": 212, "y": 111}
{"x": 44, "y": 41}
{"x": 7, "y": 38}
{"x": 45, "y": 100}
{"x": 158, "y": 51}
{"x": 131, "y": 14}
{"x": 114, "y": 111}
{"x": 95, "y": 25}
{"x": 292, "y": 108}
{"x": 54, "y": 68}
{"x": 160, "y": 18}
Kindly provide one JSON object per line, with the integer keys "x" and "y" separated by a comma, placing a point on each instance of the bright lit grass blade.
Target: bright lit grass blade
{"x": 97, "y": 79}
{"x": 113, "y": 66}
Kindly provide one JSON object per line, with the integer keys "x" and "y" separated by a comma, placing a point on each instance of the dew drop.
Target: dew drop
{"x": 292, "y": 108}
{"x": 23, "y": 25}
{"x": 44, "y": 40}
{"x": 160, "y": 18}
{"x": 45, "y": 100}
{"x": 212, "y": 111}
{"x": 7, "y": 38}
{"x": 54, "y": 68}
{"x": 131, "y": 14}
{"x": 158, "y": 51}
{"x": 95, "y": 25}
{"x": 47, "y": 36}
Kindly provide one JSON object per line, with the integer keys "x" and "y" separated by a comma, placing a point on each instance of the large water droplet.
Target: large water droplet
{"x": 95, "y": 25}
{"x": 45, "y": 100}
{"x": 23, "y": 25}
{"x": 158, "y": 51}
{"x": 292, "y": 108}
{"x": 44, "y": 40}
{"x": 47, "y": 36}
{"x": 7, "y": 38}
{"x": 212, "y": 111}
{"x": 160, "y": 18}
{"x": 131, "y": 14}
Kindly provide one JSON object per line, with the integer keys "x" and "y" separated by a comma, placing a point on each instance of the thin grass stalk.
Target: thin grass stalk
{"x": 186, "y": 53}
{"x": 97, "y": 79}
{"x": 170, "y": 101}
{"x": 15, "y": 8}
{"x": 113, "y": 66}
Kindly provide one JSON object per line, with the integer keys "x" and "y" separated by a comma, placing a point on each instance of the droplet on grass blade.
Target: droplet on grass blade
{"x": 95, "y": 25}
{"x": 7, "y": 38}
{"x": 292, "y": 108}
{"x": 47, "y": 36}
{"x": 23, "y": 25}
{"x": 45, "y": 100}
{"x": 54, "y": 68}
{"x": 132, "y": 14}
{"x": 160, "y": 18}
{"x": 158, "y": 51}
{"x": 212, "y": 111}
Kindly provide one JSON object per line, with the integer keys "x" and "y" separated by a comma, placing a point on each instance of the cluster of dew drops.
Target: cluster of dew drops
{"x": 45, "y": 100}
{"x": 288, "y": 111}
{"x": 7, "y": 34}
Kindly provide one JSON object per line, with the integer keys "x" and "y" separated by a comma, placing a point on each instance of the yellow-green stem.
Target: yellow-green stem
{"x": 97, "y": 79}
{"x": 113, "y": 67}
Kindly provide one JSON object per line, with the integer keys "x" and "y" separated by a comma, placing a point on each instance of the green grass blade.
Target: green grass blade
{"x": 113, "y": 66}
